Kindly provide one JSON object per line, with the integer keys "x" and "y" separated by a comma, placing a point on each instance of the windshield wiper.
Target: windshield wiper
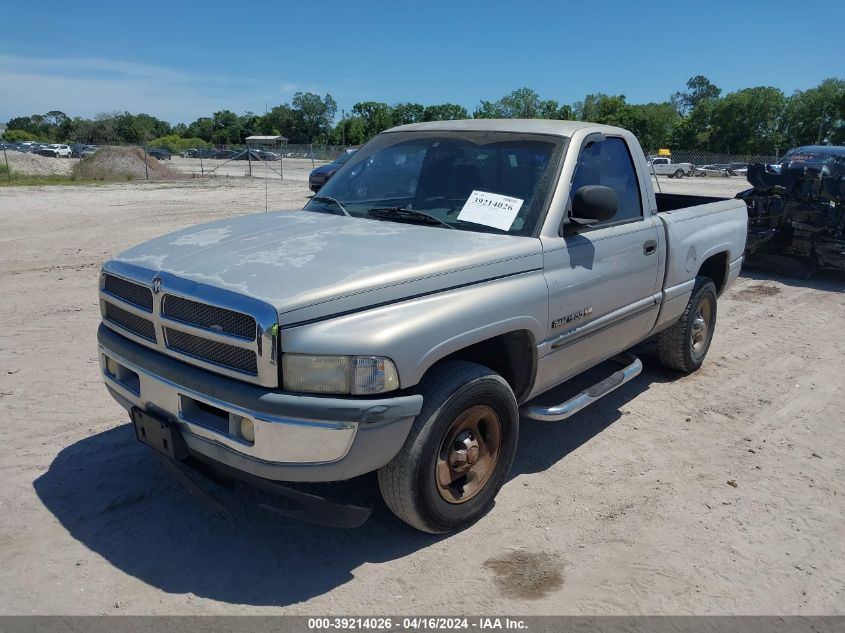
{"x": 333, "y": 201}
{"x": 406, "y": 215}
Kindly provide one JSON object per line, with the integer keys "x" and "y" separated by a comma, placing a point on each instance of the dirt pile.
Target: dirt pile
{"x": 35, "y": 165}
{"x": 122, "y": 163}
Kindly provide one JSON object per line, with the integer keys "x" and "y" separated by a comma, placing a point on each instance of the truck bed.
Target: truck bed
{"x": 676, "y": 201}
{"x": 695, "y": 232}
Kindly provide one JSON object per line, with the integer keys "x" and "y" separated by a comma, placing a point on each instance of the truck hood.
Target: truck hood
{"x": 328, "y": 168}
{"x": 310, "y": 265}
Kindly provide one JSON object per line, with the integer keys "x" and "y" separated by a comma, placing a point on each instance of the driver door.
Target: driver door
{"x": 602, "y": 279}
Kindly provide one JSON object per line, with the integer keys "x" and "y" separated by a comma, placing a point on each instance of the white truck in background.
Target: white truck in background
{"x": 663, "y": 166}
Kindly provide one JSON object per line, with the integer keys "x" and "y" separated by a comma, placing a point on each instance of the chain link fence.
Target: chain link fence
{"x": 34, "y": 163}
{"x": 284, "y": 161}
{"x": 702, "y": 159}
{"x": 81, "y": 162}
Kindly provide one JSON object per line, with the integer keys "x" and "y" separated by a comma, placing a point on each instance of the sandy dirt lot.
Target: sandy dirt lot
{"x": 720, "y": 492}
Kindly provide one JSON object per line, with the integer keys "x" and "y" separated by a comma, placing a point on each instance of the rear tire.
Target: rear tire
{"x": 684, "y": 345}
{"x": 459, "y": 450}
{"x": 679, "y": 173}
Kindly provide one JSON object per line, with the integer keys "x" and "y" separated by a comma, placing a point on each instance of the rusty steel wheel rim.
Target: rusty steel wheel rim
{"x": 469, "y": 454}
{"x": 702, "y": 323}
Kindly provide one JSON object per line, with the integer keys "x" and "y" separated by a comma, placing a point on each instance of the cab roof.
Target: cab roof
{"x": 528, "y": 126}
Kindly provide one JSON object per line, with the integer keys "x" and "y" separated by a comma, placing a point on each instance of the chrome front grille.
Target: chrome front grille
{"x": 218, "y": 330}
{"x": 208, "y": 316}
{"x": 133, "y": 293}
{"x": 139, "y": 325}
{"x": 213, "y": 351}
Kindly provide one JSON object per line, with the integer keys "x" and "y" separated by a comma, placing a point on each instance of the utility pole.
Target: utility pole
{"x": 821, "y": 120}
{"x": 342, "y": 127}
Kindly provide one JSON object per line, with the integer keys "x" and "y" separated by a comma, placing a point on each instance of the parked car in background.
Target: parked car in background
{"x": 320, "y": 175}
{"x": 738, "y": 169}
{"x": 205, "y": 152}
{"x": 268, "y": 155}
{"x": 250, "y": 155}
{"x": 716, "y": 169}
{"x": 81, "y": 150}
{"x": 663, "y": 166}
{"x": 55, "y": 150}
{"x": 159, "y": 152}
{"x": 226, "y": 154}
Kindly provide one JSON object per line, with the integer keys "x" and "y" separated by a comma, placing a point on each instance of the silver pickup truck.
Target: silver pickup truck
{"x": 412, "y": 312}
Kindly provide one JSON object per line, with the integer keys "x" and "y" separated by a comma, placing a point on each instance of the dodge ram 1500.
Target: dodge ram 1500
{"x": 405, "y": 319}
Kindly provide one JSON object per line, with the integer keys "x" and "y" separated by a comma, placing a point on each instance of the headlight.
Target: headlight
{"x": 338, "y": 374}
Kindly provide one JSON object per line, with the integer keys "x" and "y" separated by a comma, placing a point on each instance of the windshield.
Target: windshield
{"x": 344, "y": 157}
{"x": 497, "y": 182}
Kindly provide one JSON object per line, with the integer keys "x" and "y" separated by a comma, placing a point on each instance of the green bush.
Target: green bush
{"x": 16, "y": 136}
{"x": 175, "y": 144}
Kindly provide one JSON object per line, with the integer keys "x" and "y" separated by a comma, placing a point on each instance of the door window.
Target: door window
{"x": 608, "y": 163}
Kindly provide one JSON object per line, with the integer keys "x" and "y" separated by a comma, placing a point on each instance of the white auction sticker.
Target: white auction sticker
{"x": 490, "y": 209}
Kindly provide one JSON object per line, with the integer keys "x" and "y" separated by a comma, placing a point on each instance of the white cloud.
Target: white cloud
{"x": 88, "y": 86}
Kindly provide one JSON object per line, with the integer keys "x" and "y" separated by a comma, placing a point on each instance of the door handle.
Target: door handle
{"x": 650, "y": 247}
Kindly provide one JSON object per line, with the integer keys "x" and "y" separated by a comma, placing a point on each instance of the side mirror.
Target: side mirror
{"x": 592, "y": 204}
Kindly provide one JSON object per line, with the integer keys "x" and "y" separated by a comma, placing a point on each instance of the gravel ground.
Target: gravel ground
{"x": 720, "y": 492}
{"x": 126, "y": 163}
{"x": 719, "y": 187}
{"x": 35, "y": 165}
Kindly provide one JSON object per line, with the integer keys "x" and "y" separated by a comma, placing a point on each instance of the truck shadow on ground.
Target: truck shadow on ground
{"x": 113, "y": 496}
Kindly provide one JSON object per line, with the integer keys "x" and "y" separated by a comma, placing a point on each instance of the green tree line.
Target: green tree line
{"x": 758, "y": 120}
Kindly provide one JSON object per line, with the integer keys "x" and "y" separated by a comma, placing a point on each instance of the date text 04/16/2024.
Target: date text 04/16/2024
{"x": 416, "y": 623}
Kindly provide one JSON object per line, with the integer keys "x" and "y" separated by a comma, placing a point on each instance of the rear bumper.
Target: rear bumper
{"x": 297, "y": 438}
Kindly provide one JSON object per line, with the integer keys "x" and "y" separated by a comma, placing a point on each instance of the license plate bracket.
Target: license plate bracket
{"x": 159, "y": 433}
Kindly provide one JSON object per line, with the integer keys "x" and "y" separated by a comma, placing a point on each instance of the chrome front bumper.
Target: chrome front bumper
{"x": 297, "y": 438}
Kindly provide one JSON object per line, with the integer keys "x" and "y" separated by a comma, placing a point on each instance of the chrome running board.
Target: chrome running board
{"x": 587, "y": 397}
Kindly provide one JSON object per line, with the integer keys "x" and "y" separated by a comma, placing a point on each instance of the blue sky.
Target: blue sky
{"x": 182, "y": 59}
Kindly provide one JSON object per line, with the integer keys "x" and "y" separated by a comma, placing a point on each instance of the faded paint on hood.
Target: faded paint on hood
{"x": 296, "y": 260}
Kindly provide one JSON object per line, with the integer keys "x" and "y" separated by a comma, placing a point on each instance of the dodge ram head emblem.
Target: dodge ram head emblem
{"x": 156, "y": 285}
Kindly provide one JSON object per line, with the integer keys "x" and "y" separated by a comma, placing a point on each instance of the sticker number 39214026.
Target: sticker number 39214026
{"x": 490, "y": 209}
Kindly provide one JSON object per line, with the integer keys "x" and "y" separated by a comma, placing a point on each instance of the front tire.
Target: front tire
{"x": 459, "y": 450}
{"x": 684, "y": 345}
